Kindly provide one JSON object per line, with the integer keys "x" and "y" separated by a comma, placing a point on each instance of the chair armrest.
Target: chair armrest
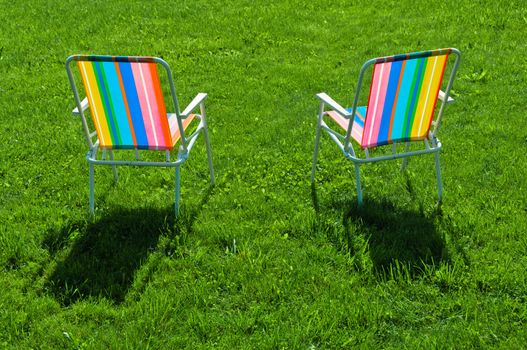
{"x": 330, "y": 102}
{"x": 194, "y": 103}
{"x": 441, "y": 96}
{"x": 84, "y": 106}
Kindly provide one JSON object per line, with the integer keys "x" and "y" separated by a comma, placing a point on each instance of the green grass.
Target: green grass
{"x": 262, "y": 260}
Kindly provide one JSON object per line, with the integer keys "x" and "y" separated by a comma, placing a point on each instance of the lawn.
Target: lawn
{"x": 263, "y": 259}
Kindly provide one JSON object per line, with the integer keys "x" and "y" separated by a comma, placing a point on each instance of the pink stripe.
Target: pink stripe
{"x": 356, "y": 132}
{"x": 372, "y": 100}
{"x": 154, "y": 107}
{"x": 341, "y": 121}
{"x": 376, "y": 103}
{"x": 143, "y": 103}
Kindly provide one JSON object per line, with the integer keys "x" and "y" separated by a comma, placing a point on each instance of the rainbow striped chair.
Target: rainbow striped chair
{"x": 128, "y": 112}
{"x": 401, "y": 105}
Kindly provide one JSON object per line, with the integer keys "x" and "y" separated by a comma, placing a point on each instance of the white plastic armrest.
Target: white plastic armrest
{"x": 441, "y": 96}
{"x": 84, "y": 106}
{"x": 194, "y": 103}
{"x": 330, "y": 102}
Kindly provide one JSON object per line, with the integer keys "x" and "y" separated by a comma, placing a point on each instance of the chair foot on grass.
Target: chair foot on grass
{"x": 359, "y": 189}
{"x": 438, "y": 208}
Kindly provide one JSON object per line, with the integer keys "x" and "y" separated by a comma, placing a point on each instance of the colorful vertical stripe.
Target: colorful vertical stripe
{"x": 402, "y": 99}
{"x": 126, "y": 104}
{"x": 358, "y": 122}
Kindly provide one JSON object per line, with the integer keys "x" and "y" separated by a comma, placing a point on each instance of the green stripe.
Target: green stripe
{"x": 114, "y": 116}
{"x": 419, "y": 88}
{"x": 103, "y": 99}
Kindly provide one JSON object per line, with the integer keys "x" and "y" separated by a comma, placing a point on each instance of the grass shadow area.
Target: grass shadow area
{"x": 397, "y": 238}
{"x": 100, "y": 258}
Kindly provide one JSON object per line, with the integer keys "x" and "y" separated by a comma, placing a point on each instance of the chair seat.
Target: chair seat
{"x": 174, "y": 129}
{"x": 358, "y": 123}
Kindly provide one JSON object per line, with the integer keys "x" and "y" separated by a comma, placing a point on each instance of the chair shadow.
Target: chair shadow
{"x": 100, "y": 258}
{"x": 395, "y": 237}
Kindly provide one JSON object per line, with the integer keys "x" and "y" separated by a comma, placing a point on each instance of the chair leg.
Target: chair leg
{"x": 92, "y": 189}
{"x": 439, "y": 183}
{"x": 359, "y": 190}
{"x": 114, "y": 168}
{"x": 315, "y": 154}
{"x": 404, "y": 164}
{"x": 178, "y": 180}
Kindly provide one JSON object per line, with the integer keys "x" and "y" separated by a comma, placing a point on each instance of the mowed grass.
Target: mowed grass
{"x": 263, "y": 260}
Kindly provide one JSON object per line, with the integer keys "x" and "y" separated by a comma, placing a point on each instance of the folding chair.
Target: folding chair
{"x": 128, "y": 112}
{"x": 401, "y": 105}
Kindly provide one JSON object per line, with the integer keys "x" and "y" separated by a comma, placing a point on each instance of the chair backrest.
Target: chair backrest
{"x": 403, "y": 96}
{"x": 126, "y": 101}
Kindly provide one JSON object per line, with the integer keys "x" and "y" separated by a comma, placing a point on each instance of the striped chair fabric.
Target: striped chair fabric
{"x": 402, "y": 99}
{"x": 127, "y": 104}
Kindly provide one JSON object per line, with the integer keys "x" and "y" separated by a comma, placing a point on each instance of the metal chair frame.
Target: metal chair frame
{"x": 186, "y": 142}
{"x": 431, "y": 144}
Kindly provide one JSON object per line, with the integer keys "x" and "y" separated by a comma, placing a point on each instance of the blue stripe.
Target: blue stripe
{"x": 357, "y": 119}
{"x": 119, "y": 108}
{"x": 133, "y": 104}
{"x": 402, "y": 99}
{"x": 106, "y": 101}
{"x": 391, "y": 90}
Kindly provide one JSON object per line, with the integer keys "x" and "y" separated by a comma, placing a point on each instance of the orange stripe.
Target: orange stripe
{"x": 176, "y": 135}
{"x": 437, "y": 91}
{"x": 161, "y": 104}
{"x": 123, "y": 92}
{"x": 360, "y": 115}
{"x": 395, "y": 99}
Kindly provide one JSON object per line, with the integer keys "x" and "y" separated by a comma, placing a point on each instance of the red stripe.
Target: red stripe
{"x": 161, "y": 105}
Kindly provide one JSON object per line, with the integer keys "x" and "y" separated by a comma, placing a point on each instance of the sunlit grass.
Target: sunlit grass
{"x": 263, "y": 260}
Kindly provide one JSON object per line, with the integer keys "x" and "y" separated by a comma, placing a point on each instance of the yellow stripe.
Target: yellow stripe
{"x": 436, "y": 85}
{"x": 96, "y": 106}
{"x": 424, "y": 97}
{"x": 428, "y": 98}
